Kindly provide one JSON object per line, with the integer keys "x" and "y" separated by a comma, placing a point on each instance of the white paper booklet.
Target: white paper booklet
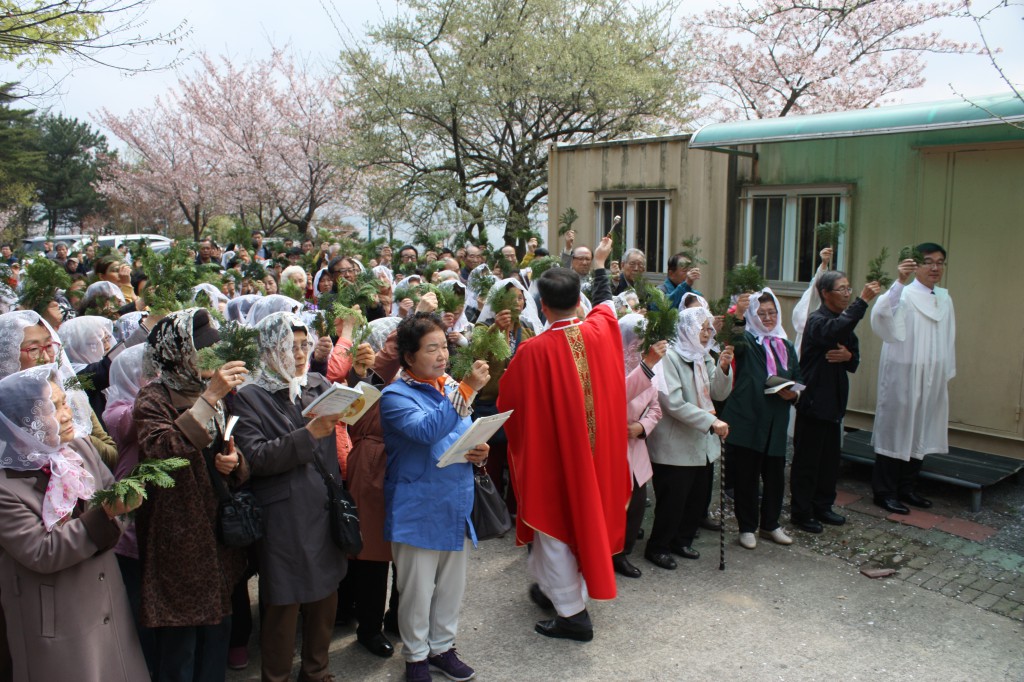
{"x": 351, "y": 402}
{"x": 480, "y": 432}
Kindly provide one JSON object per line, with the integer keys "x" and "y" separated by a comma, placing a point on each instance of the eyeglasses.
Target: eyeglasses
{"x": 36, "y": 352}
{"x": 345, "y": 271}
{"x": 843, "y": 290}
{"x": 767, "y": 314}
{"x": 302, "y": 347}
{"x": 583, "y": 259}
{"x": 934, "y": 263}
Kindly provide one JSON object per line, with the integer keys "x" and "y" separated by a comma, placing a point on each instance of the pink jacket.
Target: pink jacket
{"x": 641, "y": 397}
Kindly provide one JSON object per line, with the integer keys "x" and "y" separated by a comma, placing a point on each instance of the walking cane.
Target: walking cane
{"x": 721, "y": 510}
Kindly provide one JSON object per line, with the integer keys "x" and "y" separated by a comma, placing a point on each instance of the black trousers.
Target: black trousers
{"x": 815, "y": 468}
{"x": 747, "y": 468}
{"x": 635, "y": 515}
{"x": 365, "y": 592}
{"x": 893, "y": 478}
{"x": 679, "y": 506}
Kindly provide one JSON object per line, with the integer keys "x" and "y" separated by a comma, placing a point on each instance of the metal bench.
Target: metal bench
{"x": 965, "y": 468}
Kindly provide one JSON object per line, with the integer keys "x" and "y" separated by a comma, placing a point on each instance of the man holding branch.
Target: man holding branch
{"x": 573, "y": 485}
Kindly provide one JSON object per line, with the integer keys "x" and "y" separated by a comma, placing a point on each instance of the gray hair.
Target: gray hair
{"x": 827, "y": 280}
{"x": 633, "y": 252}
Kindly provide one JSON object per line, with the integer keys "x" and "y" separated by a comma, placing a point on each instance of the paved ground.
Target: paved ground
{"x": 953, "y": 610}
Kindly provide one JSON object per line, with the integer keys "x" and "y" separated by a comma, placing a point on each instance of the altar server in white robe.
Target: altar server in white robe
{"x": 916, "y": 323}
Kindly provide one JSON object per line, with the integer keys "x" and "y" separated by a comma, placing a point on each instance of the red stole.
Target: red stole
{"x": 567, "y": 442}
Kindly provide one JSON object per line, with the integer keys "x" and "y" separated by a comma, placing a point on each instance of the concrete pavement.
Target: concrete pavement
{"x": 802, "y": 612}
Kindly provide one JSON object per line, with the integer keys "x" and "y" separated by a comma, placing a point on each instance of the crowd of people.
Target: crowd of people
{"x": 95, "y": 380}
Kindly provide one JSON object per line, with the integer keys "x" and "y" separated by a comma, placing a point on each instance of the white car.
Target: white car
{"x": 157, "y": 242}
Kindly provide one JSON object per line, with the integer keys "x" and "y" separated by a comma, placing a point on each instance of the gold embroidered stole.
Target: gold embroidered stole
{"x": 579, "y": 355}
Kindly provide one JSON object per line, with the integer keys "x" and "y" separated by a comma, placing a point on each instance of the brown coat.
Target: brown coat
{"x": 187, "y": 576}
{"x": 66, "y": 608}
{"x": 368, "y": 460}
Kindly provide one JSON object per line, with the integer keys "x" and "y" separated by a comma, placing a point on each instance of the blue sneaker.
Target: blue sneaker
{"x": 417, "y": 671}
{"x": 449, "y": 665}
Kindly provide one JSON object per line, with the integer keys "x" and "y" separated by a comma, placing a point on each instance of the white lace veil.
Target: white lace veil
{"x": 216, "y": 296}
{"x": 628, "y": 324}
{"x": 12, "y": 333}
{"x": 276, "y": 357}
{"x": 463, "y": 323}
{"x": 30, "y": 440}
{"x": 528, "y": 316}
{"x": 127, "y": 376}
{"x": 239, "y": 307}
{"x": 102, "y": 289}
{"x": 275, "y": 303}
{"x": 687, "y": 343}
{"x": 380, "y": 330}
{"x": 126, "y": 325}
{"x": 84, "y": 338}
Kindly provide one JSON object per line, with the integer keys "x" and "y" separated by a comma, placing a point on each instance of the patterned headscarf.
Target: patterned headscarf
{"x": 171, "y": 353}
{"x": 277, "y": 338}
{"x": 30, "y": 440}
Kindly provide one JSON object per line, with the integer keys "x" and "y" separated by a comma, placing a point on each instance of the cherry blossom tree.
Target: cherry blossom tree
{"x": 169, "y": 160}
{"x": 776, "y": 57}
{"x": 259, "y": 141}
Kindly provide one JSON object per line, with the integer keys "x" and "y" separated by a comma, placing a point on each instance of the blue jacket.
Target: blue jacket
{"x": 676, "y": 292}
{"x": 425, "y": 506}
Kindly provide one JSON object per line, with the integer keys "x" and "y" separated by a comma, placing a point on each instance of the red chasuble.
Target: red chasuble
{"x": 567, "y": 441}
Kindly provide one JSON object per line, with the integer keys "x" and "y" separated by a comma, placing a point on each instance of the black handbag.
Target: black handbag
{"x": 239, "y": 515}
{"x": 490, "y": 516}
{"x": 344, "y": 515}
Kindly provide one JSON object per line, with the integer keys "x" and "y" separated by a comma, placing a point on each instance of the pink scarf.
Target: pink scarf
{"x": 69, "y": 483}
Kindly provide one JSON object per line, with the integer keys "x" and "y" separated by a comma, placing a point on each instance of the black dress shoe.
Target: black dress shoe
{"x": 624, "y": 567}
{"x": 563, "y": 628}
{"x": 891, "y": 504}
{"x": 708, "y": 523}
{"x": 686, "y": 552}
{"x": 538, "y": 597}
{"x": 830, "y": 517}
{"x": 916, "y": 500}
{"x": 378, "y": 645}
{"x": 807, "y": 525}
{"x": 661, "y": 560}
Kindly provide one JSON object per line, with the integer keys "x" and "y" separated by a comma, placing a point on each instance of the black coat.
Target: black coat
{"x": 828, "y": 385}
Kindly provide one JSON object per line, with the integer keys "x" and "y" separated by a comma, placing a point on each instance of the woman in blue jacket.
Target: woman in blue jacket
{"x": 427, "y": 508}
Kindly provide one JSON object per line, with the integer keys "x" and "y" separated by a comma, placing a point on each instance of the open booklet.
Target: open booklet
{"x": 775, "y": 383}
{"x": 351, "y": 402}
{"x": 480, "y": 432}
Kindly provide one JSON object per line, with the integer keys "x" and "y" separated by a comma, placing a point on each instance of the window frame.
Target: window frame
{"x": 628, "y": 227}
{"x": 793, "y": 194}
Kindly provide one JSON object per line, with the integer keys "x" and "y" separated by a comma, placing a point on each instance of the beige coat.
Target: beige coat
{"x": 66, "y": 609}
{"x": 682, "y": 437}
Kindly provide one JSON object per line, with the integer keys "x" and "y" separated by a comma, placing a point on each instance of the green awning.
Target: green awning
{"x": 955, "y": 113}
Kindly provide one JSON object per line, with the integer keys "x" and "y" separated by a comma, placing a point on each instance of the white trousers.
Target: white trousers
{"x": 430, "y": 587}
{"x": 553, "y": 565}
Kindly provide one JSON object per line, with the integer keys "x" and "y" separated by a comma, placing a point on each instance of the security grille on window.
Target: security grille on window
{"x": 780, "y": 229}
{"x": 644, "y": 226}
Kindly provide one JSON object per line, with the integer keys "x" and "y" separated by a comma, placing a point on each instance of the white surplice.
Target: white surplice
{"x": 918, "y": 329}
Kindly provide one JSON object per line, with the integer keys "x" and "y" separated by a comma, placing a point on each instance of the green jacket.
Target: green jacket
{"x": 758, "y": 421}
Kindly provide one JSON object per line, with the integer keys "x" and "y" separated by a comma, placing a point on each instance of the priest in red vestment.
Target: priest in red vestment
{"x": 567, "y": 448}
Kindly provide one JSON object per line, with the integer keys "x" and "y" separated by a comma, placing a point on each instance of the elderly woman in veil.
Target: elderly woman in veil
{"x": 187, "y": 575}
{"x": 688, "y": 437}
{"x": 67, "y": 615}
{"x": 299, "y": 565}
{"x": 26, "y": 340}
